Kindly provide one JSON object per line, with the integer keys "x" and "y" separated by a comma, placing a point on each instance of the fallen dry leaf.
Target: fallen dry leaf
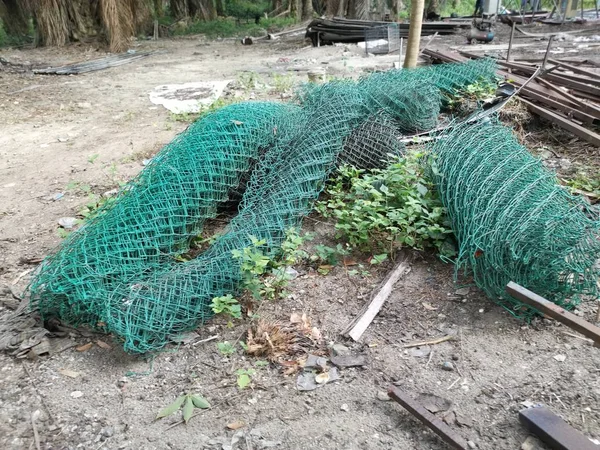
{"x": 68, "y": 373}
{"x": 305, "y": 322}
{"x": 236, "y": 425}
{"x": 84, "y": 347}
{"x": 350, "y": 261}
{"x": 428, "y": 306}
{"x": 295, "y": 318}
{"x": 316, "y": 334}
{"x": 103, "y": 345}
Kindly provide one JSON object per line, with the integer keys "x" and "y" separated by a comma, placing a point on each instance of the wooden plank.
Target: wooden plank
{"x": 556, "y": 312}
{"x": 434, "y": 423}
{"x": 358, "y": 326}
{"x": 553, "y": 430}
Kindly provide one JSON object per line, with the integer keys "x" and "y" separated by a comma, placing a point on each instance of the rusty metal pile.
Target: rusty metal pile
{"x": 565, "y": 92}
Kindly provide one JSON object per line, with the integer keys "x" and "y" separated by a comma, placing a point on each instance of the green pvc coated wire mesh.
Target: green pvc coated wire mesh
{"x": 513, "y": 221}
{"x": 119, "y": 271}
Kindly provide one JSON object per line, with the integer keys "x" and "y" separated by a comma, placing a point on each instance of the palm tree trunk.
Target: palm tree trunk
{"x": 307, "y": 9}
{"x": 414, "y": 34}
{"x": 14, "y": 18}
{"x": 179, "y": 9}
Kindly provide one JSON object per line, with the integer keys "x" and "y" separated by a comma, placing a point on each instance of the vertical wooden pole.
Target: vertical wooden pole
{"x": 414, "y": 33}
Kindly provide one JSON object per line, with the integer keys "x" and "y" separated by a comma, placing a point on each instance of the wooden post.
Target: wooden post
{"x": 414, "y": 33}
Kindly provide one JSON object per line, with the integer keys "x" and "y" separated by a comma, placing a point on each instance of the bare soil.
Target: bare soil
{"x": 73, "y": 134}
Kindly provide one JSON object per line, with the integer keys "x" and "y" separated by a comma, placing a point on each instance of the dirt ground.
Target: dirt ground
{"x": 84, "y": 134}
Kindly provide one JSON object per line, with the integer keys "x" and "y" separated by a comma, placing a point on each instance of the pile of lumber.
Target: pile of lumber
{"x": 328, "y": 31}
{"x": 567, "y": 93}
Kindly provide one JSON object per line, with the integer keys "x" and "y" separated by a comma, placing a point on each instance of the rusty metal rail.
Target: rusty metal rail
{"x": 435, "y": 424}
{"x": 554, "y": 431}
{"x": 556, "y": 312}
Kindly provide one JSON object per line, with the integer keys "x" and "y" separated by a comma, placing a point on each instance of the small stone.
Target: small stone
{"x": 291, "y": 273}
{"x": 545, "y": 154}
{"x": 471, "y": 444}
{"x": 345, "y": 407}
{"x": 110, "y": 193}
{"x": 84, "y": 105}
{"x": 560, "y": 358}
{"x": 349, "y": 361}
{"x": 454, "y": 357}
{"x": 340, "y": 350}
{"x": 76, "y": 394}
{"x": 565, "y": 164}
{"x": 383, "y": 396}
{"x": 463, "y": 291}
{"x": 107, "y": 432}
{"x": 315, "y": 362}
{"x": 448, "y": 366}
{"x": 67, "y": 222}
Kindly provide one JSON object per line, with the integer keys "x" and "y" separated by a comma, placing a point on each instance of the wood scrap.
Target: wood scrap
{"x": 439, "y": 340}
{"x": 358, "y": 326}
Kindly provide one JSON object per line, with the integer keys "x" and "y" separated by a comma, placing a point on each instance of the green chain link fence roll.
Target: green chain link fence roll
{"x": 119, "y": 270}
{"x": 156, "y": 214}
{"x": 513, "y": 221}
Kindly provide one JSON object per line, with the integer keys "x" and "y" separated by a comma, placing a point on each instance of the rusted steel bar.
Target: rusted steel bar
{"x": 550, "y": 39}
{"x": 568, "y": 110}
{"x": 510, "y": 41}
{"x": 586, "y": 107}
{"x": 575, "y": 69}
{"x": 556, "y": 312}
{"x": 565, "y": 123}
{"x": 436, "y": 425}
{"x": 554, "y": 431}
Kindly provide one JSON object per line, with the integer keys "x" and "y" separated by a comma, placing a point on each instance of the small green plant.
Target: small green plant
{"x": 92, "y": 158}
{"x": 283, "y": 83}
{"x": 62, "y": 233}
{"x": 378, "y": 259}
{"x": 330, "y": 255}
{"x": 184, "y": 117}
{"x": 388, "y": 209}
{"x": 585, "y": 183}
{"x": 244, "y": 377}
{"x": 188, "y": 402}
{"x": 95, "y": 205}
{"x": 226, "y": 348}
{"x": 264, "y": 273}
{"x": 226, "y": 305}
{"x": 248, "y": 81}
{"x": 473, "y": 94}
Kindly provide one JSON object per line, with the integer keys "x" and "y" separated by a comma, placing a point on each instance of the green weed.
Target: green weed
{"x": 244, "y": 377}
{"x": 388, "y": 209}
{"x": 226, "y": 305}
